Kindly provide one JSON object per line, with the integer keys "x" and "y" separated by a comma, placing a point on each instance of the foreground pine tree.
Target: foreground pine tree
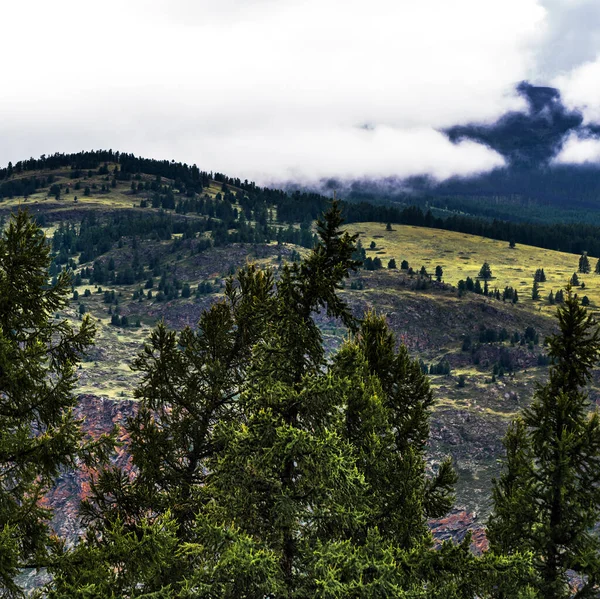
{"x": 547, "y": 500}
{"x": 264, "y": 469}
{"x": 38, "y": 433}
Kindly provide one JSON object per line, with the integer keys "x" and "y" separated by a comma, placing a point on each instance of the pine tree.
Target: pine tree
{"x": 535, "y": 291}
{"x": 584, "y": 263}
{"x": 548, "y": 497}
{"x": 439, "y": 273}
{"x": 485, "y": 272}
{"x": 38, "y": 433}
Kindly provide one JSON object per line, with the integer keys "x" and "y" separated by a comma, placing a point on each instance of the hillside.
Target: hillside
{"x": 144, "y": 247}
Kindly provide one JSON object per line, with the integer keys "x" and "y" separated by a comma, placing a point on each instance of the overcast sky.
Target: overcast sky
{"x": 278, "y": 90}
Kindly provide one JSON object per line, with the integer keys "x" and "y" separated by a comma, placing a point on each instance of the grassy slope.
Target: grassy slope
{"x": 462, "y": 255}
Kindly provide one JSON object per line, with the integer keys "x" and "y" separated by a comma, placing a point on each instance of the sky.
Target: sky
{"x": 292, "y": 90}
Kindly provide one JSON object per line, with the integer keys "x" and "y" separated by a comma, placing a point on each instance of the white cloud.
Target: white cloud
{"x": 580, "y": 89}
{"x": 572, "y": 36}
{"x": 262, "y": 87}
{"x": 577, "y": 150}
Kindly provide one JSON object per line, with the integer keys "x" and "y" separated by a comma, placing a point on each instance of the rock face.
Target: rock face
{"x": 99, "y": 416}
{"x": 455, "y": 526}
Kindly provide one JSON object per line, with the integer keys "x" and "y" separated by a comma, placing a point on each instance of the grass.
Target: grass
{"x": 462, "y": 255}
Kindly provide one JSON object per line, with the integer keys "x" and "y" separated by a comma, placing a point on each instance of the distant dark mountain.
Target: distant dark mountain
{"x": 528, "y": 141}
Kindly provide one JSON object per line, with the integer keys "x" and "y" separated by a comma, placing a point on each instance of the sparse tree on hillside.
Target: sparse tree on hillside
{"x": 597, "y": 269}
{"x": 485, "y": 271}
{"x": 535, "y": 291}
{"x": 584, "y": 263}
{"x": 575, "y": 280}
{"x": 392, "y": 264}
{"x": 439, "y": 273}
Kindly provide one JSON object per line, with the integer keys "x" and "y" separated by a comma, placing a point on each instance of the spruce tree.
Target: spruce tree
{"x": 548, "y": 498}
{"x": 485, "y": 272}
{"x": 584, "y": 263}
{"x": 38, "y": 432}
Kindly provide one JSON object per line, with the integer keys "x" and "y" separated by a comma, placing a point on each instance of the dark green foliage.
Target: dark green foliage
{"x": 535, "y": 291}
{"x": 485, "y": 272}
{"x": 584, "y": 263}
{"x": 38, "y": 434}
{"x": 539, "y": 276}
{"x": 439, "y": 273}
{"x": 392, "y": 264}
{"x": 548, "y": 497}
{"x": 404, "y": 265}
{"x": 442, "y": 367}
{"x": 575, "y": 280}
{"x": 359, "y": 254}
{"x": 204, "y": 287}
{"x": 373, "y": 263}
